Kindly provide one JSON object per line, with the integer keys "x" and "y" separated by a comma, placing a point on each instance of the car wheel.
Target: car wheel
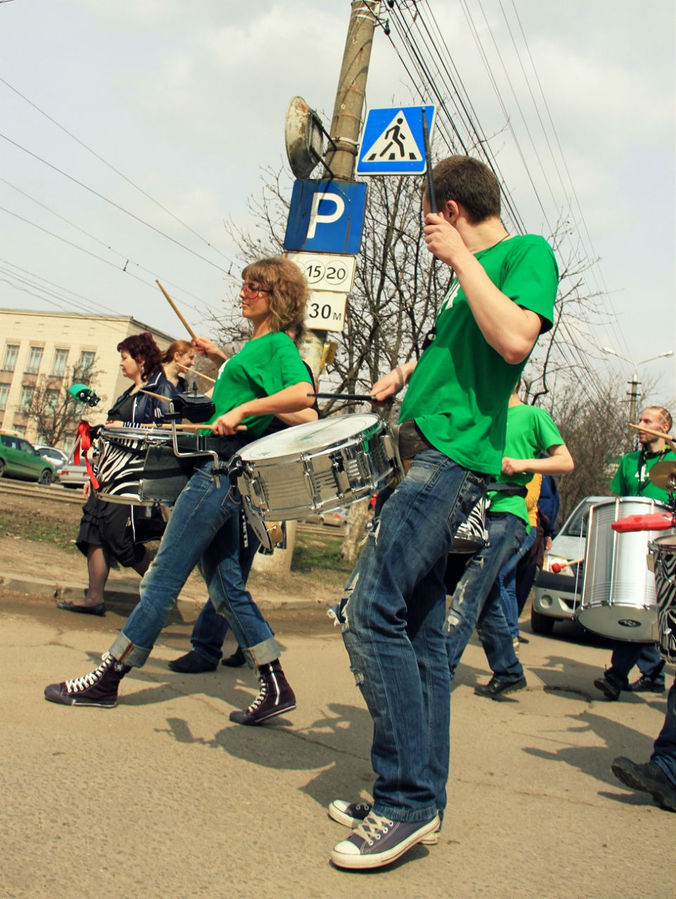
{"x": 46, "y": 476}
{"x": 2, "y": 467}
{"x": 541, "y": 624}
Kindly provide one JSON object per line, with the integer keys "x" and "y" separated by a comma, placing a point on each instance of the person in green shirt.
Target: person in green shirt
{"x": 632, "y": 478}
{"x": 453, "y": 419}
{"x": 533, "y": 445}
{"x": 265, "y": 379}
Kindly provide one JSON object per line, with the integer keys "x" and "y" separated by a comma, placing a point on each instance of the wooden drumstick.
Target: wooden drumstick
{"x": 194, "y": 371}
{"x": 652, "y": 433}
{"x": 157, "y": 396}
{"x": 176, "y": 310}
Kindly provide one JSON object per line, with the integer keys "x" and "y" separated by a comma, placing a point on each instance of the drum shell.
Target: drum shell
{"x": 662, "y": 562}
{"x": 618, "y": 592}
{"x": 317, "y": 466}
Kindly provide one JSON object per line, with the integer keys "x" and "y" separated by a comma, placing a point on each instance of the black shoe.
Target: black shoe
{"x": 99, "y": 609}
{"x": 236, "y": 660}
{"x": 275, "y": 697}
{"x": 497, "y": 688}
{"x": 609, "y": 690}
{"x": 647, "y": 684}
{"x": 192, "y": 663}
{"x": 649, "y": 778}
{"x": 98, "y": 688}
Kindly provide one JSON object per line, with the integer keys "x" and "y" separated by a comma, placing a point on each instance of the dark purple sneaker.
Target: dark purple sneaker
{"x": 377, "y": 841}
{"x": 98, "y": 688}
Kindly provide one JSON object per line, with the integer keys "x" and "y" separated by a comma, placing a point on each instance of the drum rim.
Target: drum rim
{"x": 318, "y": 426}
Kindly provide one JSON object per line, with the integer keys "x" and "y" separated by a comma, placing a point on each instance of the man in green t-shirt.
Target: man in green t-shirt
{"x": 454, "y": 416}
{"x": 632, "y": 478}
{"x": 533, "y": 445}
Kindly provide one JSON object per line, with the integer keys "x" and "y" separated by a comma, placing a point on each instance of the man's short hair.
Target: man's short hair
{"x": 469, "y": 182}
{"x": 664, "y": 414}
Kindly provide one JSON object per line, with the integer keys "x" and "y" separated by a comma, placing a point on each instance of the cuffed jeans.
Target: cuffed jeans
{"x": 392, "y": 621}
{"x": 204, "y": 529}
{"x": 210, "y": 628}
{"x": 664, "y": 750}
{"x": 476, "y": 601}
{"x": 625, "y": 655}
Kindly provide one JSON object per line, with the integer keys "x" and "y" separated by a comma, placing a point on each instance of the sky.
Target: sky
{"x": 188, "y": 101}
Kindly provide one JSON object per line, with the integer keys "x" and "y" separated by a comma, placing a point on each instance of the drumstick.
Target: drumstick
{"x": 194, "y": 371}
{"x": 343, "y": 396}
{"x": 157, "y": 396}
{"x": 176, "y": 310}
{"x": 655, "y": 434}
{"x": 557, "y": 566}
{"x": 196, "y": 427}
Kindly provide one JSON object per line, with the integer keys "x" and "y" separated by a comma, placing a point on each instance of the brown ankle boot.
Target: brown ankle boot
{"x": 274, "y": 697}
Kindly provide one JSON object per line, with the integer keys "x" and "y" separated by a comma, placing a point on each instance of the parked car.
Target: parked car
{"x": 56, "y": 456}
{"x": 335, "y": 518}
{"x": 20, "y": 459}
{"x": 558, "y": 587}
{"x": 72, "y": 475}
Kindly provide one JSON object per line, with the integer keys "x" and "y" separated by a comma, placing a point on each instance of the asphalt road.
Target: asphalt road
{"x": 164, "y": 797}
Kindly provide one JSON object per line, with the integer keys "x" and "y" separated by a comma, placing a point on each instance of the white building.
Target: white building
{"x": 56, "y": 349}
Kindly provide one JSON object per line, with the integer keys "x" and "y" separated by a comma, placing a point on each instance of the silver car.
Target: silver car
{"x": 558, "y": 587}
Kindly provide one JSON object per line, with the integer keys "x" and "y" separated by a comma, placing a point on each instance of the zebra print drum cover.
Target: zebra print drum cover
{"x": 662, "y": 560}
{"x": 120, "y": 464}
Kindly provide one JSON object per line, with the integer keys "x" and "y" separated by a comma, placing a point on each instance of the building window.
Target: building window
{"x": 60, "y": 363}
{"x": 34, "y": 360}
{"x": 4, "y": 393}
{"x": 52, "y": 399}
{"x": 26, "y": 397}
{"x": 11, "y": 352}
{"x": 84, "y": 367}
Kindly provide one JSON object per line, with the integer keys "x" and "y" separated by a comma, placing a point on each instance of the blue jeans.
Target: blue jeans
{"x": 392, "y": 620}
{"x": 210, "y": 628}
{"x": 476, "y": 601}
{"x": 664, "y": 750}
{"x": 204, "y": 529}
{"x": 507, "y": 583}
{"x": 626, "y": 655}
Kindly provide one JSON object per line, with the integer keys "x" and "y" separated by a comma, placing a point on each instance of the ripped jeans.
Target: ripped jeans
{"x": 476, "y": 601}
{"x": 392, "y": 621}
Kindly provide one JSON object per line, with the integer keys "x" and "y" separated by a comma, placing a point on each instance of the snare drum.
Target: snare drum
{"x": 316, "y": 466}
{"x": 662, "y": 561}
{"x": 618, "y": 593}
{"x": 137, "y": 467}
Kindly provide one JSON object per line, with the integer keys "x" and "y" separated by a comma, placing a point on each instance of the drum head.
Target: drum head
{"x": 311, "y": 436}
{"x": 631, "y": 624}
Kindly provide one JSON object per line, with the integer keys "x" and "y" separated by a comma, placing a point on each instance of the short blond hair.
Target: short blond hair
{"x": 288, "y": 290}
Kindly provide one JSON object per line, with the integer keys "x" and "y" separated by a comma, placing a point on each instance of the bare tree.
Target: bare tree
{"x": 53, "y": 410}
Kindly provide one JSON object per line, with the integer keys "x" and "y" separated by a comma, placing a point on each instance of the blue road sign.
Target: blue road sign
{"x": 326, "y": 216}
{"x": 393, "y": 142}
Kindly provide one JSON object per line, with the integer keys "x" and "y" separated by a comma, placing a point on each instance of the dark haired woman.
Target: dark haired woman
{"x": 267, "y": 377}
{"x": 107, "y": 530}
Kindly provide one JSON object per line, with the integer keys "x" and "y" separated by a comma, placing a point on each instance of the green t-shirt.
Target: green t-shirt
{"x": 628, "y": 481}
{"x": 460, "y": 388}
{"x": 262, "y": 367}
{"x": 530, "y": 432}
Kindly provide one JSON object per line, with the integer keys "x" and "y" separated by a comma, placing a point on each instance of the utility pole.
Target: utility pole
{"x": 346, "y": 123}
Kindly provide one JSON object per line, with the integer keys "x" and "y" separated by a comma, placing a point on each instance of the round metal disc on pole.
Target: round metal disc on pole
{"x": 304, "y": 138}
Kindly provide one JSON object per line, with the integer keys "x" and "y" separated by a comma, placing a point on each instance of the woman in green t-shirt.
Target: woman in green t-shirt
{"x": 266, "y": 378}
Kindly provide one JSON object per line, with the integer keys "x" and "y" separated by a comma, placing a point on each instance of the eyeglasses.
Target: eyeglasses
{"x": 252, "y": 287}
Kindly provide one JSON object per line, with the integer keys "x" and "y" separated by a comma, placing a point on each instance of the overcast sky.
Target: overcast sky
{"x": 189, "y": 100}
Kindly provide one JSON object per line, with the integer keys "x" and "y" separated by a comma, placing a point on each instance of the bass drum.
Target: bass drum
{"x": 618, "y": 593}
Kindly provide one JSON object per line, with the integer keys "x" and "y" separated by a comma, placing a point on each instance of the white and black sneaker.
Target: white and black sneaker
{"x": 98, "y": 688}
{"x": 351, "y": 814}
{"x": 377, "y": 841}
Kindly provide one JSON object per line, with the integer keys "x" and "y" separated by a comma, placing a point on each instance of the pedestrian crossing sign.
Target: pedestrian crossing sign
{"x": 393, "y": 142}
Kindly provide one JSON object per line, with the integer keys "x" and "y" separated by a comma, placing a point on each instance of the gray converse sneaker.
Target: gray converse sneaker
{"x": 98, "y": 688}
{"x": 351, "y": 814}
{"x": 377, "y": 841}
